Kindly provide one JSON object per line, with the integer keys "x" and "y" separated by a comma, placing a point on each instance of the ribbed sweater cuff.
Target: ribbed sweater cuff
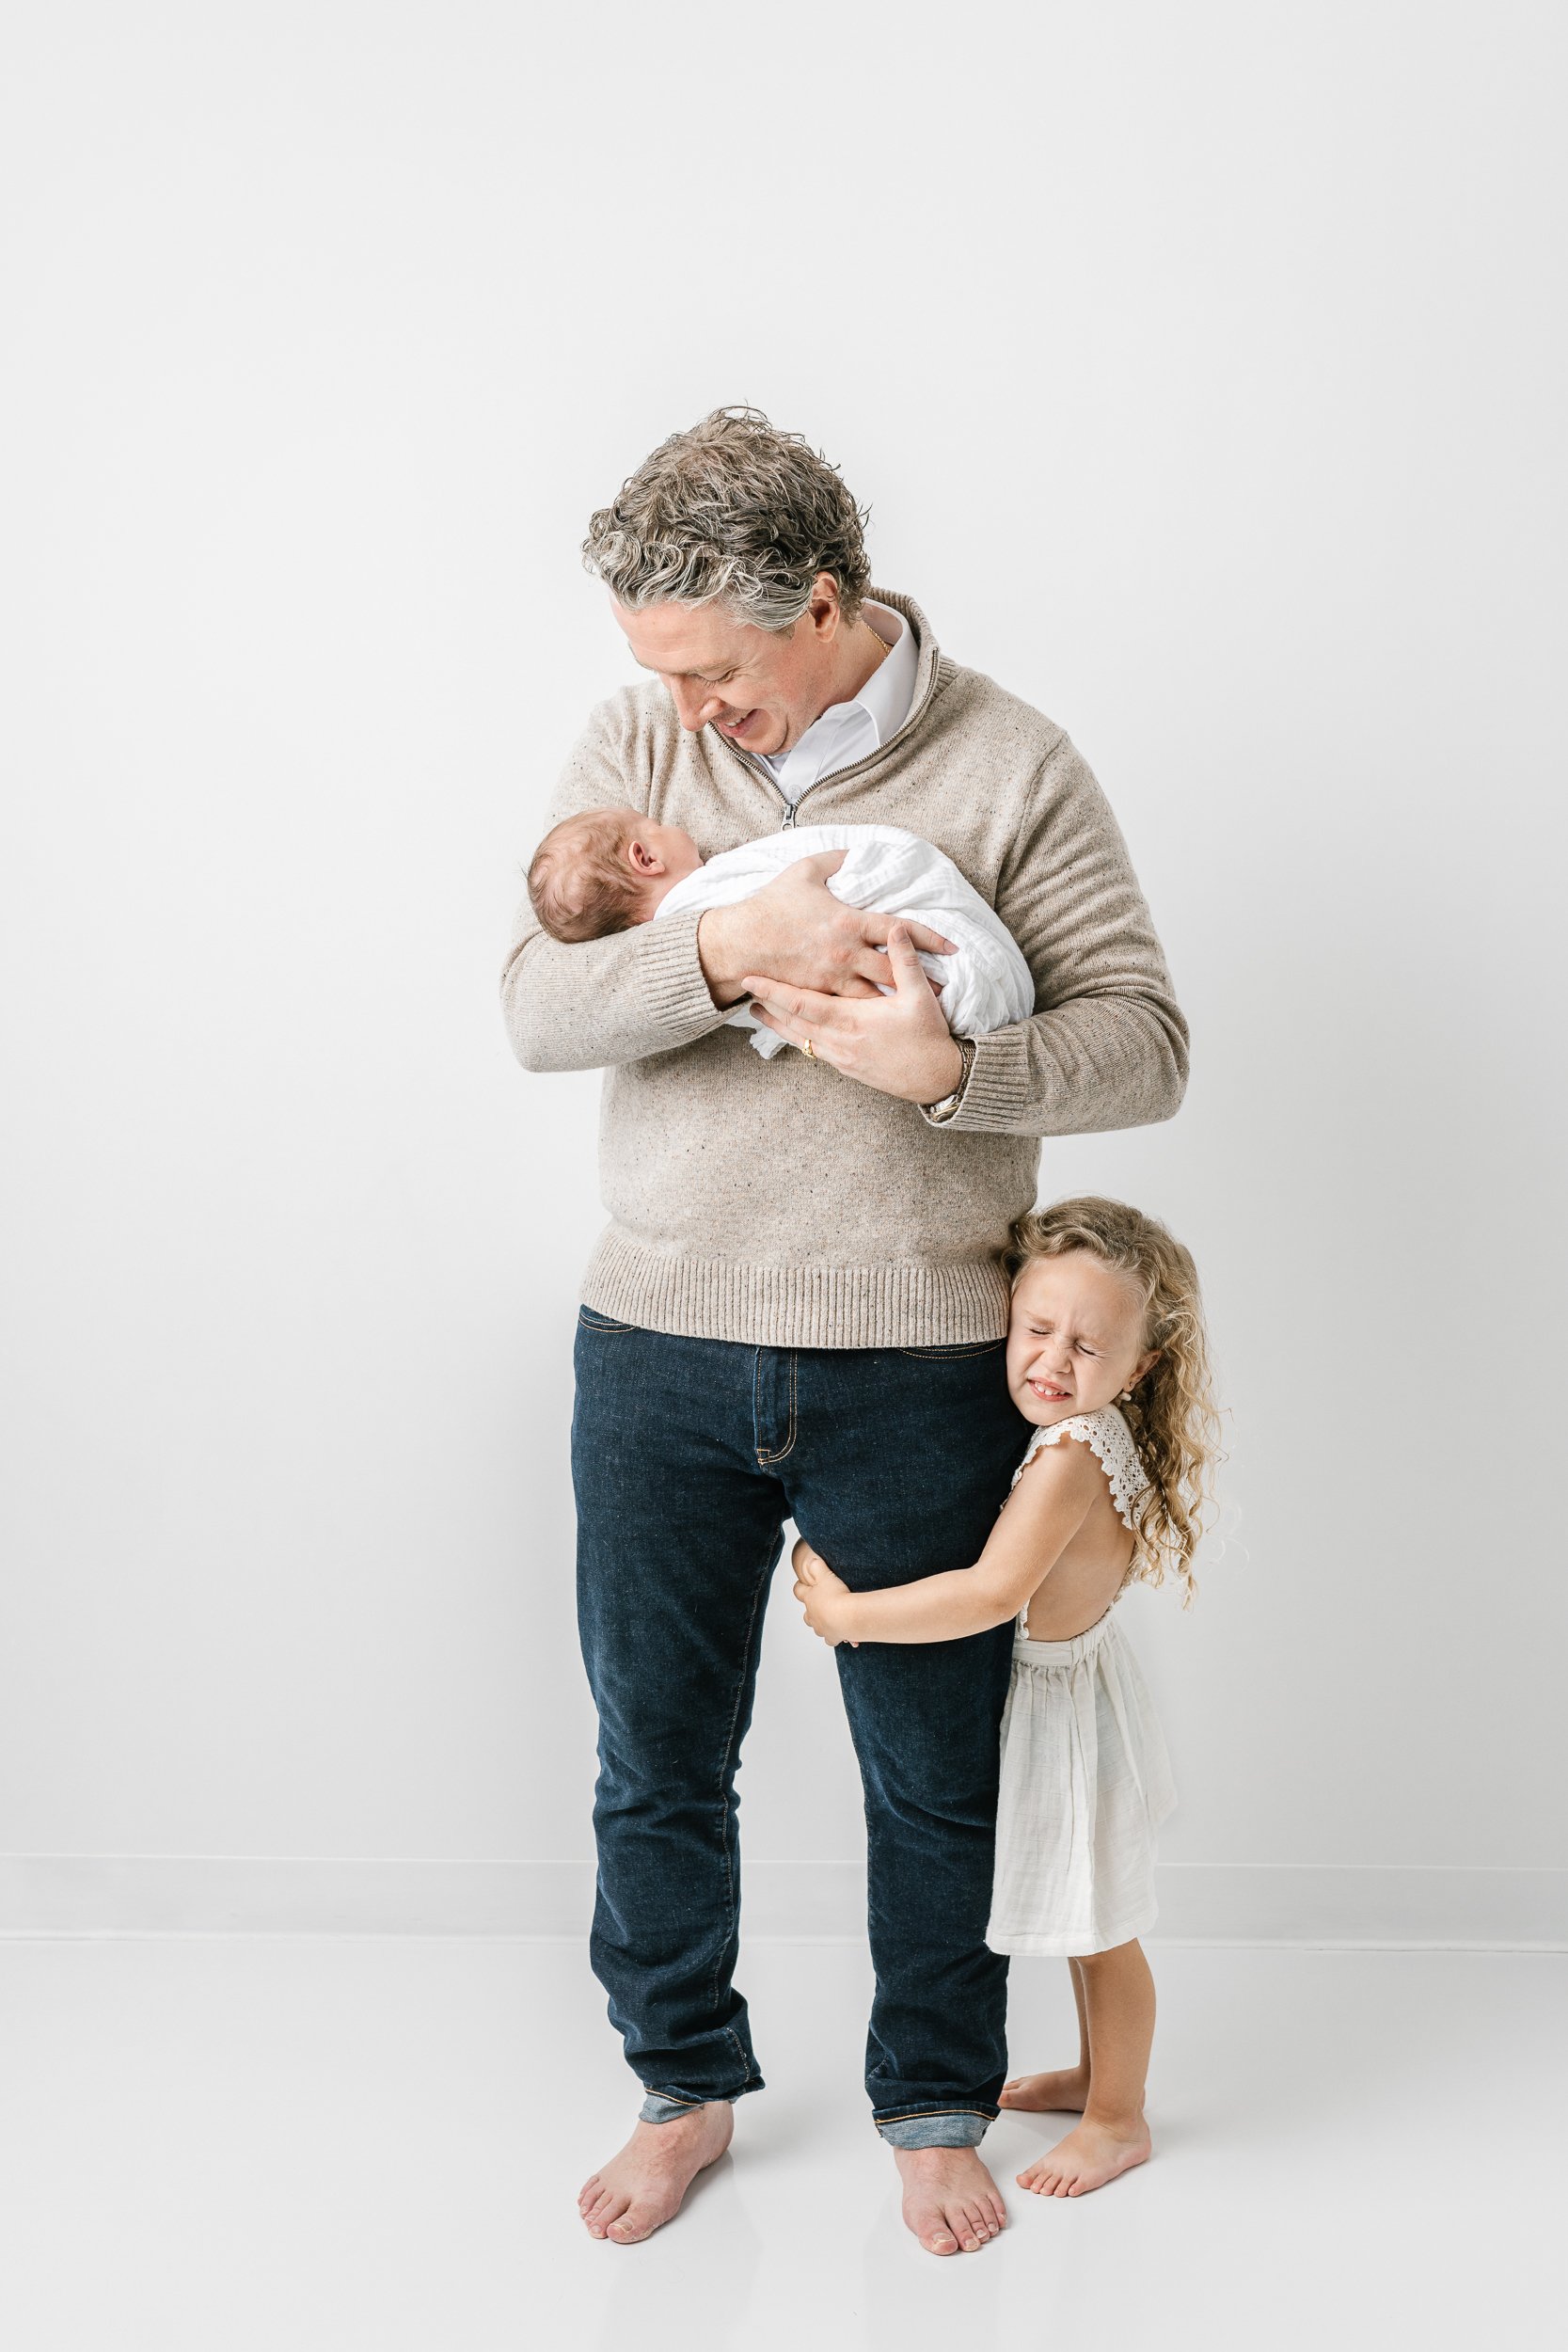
{"x": 998, "y": 1089}
{"x": 677, "y": 994}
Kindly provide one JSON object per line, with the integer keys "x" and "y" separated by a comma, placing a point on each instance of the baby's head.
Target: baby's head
{"x": 1107, "y": 1311}
{"x": 604, "y": 870}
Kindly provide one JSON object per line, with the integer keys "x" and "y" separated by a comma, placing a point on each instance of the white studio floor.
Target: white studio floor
{"x": 323, "y": 2144}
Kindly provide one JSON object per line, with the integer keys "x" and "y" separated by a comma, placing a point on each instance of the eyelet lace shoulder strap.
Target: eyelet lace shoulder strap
{"x": 1110, "y": 1440}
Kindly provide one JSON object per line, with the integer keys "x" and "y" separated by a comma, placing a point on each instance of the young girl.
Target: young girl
{"x": 1107, "y": 1355}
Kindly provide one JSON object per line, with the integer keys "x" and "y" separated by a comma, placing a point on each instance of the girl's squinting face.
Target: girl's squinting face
{"x": 1076, "y": 1337}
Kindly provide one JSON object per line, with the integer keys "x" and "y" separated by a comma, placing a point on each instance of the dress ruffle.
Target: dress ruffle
{"x": 1085, "y": 1783}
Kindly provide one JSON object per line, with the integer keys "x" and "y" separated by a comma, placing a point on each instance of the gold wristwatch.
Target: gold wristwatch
{"x": 941, "y": 1112}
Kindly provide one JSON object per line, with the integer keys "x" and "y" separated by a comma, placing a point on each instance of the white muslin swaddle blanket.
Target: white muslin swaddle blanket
{"x": 887, "y": 871}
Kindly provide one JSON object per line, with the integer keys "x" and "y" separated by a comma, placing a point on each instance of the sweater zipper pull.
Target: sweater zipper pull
{"x": 788, "y": 825}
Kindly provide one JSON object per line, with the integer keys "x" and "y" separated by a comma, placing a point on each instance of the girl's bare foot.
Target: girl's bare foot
{"x": 642, "y": 2188}
{"x": 1087, "y": 2158}
{"x": 950, "y": 2200}
{"x": 1064, "y": 2093}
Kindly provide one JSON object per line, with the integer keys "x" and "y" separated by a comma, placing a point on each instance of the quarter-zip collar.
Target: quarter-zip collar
{"x": 927, "y": 664}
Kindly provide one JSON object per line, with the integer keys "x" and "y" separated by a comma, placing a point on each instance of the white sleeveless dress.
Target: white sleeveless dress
{"x": 1086, "y": 1779}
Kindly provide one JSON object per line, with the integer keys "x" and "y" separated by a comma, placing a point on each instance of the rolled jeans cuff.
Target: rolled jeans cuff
{"x": 656, "y": 2109}
{"x": 953, "y": 2127}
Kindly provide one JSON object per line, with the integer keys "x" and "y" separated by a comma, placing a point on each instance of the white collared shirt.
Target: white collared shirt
{"x": 853, "y": 730}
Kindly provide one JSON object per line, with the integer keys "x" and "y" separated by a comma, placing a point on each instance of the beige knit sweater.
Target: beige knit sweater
{"x": 777, "y": 1202}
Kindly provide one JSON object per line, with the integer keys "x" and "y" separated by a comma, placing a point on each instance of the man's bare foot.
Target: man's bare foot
{"x": 642, "y": 2188}
{"x": 950, "y": 2200}
{"x": 1087, "y": 2158}
{"x": 1062, "y": 2093}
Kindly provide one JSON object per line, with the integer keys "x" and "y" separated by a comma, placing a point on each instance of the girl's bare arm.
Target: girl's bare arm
{"x": 1042, "y": 1515}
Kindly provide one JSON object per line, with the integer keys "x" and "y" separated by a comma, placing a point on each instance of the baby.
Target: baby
{"x": 613, "y": 867}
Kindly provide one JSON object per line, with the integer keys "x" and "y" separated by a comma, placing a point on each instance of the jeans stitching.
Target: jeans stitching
{"x": 788, "y": 1445}
{"x": 948, "y": 1355}
{"x": 923, "y": 2115}
{"x": 726, "y": 1768}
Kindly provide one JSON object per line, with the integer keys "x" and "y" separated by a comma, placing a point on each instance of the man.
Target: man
{"x": 798, "y": 1309}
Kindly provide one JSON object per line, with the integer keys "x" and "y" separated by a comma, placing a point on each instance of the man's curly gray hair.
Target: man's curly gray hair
{"x": 731, "y": 510}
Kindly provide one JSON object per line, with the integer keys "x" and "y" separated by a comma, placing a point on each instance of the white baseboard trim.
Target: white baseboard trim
{"x": 1399, "y": 1906}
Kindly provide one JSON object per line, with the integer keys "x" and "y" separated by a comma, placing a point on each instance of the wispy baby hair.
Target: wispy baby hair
{"x": 1171, "y": 1412}
{"x": 579, "y": 884}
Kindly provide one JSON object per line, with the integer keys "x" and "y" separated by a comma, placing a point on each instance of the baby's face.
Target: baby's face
{"x": 1076, "y": 1338}
{"x": 659, "y": 856}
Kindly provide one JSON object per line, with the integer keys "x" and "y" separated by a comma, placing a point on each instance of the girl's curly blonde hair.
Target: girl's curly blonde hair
{"x": 1171, "y": 1411}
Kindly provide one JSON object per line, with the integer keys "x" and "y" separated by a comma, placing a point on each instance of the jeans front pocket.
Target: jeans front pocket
{"x": 588, "y": 1319}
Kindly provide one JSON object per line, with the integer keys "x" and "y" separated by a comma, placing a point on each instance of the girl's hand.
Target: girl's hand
{"x": 820, "y": 1593}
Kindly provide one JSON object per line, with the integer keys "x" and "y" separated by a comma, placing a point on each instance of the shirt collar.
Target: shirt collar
{"x": 889, "y": 691}
{"x": 885, "y": 699}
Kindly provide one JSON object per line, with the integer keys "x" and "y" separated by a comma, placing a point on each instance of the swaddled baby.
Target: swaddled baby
{"x": 613, "y": 867}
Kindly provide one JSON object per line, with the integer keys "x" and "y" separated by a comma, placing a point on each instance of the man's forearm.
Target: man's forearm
{"x": 721, "y": 951}
{"x": 1106, "y": 1046}
{"x": 1089, "y": 1066}
{"x": 606, "y": 1000}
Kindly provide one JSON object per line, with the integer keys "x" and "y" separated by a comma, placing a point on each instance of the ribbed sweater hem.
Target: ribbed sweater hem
{"x": 892, "y": 1305}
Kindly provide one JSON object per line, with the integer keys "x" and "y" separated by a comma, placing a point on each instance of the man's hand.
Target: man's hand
{"x": 820, "y": 1593}
{"x": 796, "y": 929}
{"x": 898, "y": 1045}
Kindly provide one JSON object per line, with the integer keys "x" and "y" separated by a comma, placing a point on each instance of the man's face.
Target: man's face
{"x": 760, "y": 688}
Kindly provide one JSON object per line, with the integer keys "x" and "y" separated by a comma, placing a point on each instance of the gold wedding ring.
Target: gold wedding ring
{"x": 808, "y": 1049}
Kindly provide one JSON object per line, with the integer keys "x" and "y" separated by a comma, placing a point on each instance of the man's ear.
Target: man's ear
{"x": 825, "y": 612}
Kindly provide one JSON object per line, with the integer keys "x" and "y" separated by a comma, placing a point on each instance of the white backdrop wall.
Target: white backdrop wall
{"x": 1200, "y": 369}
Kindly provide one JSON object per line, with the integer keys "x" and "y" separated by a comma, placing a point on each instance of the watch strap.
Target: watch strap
{"x": 943, "y": 1108}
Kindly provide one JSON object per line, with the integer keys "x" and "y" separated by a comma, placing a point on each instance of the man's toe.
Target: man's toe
{"x": 634, "y": 2225}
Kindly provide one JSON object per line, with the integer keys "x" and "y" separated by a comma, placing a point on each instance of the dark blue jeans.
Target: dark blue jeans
{"x": 688, "y": 1457}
